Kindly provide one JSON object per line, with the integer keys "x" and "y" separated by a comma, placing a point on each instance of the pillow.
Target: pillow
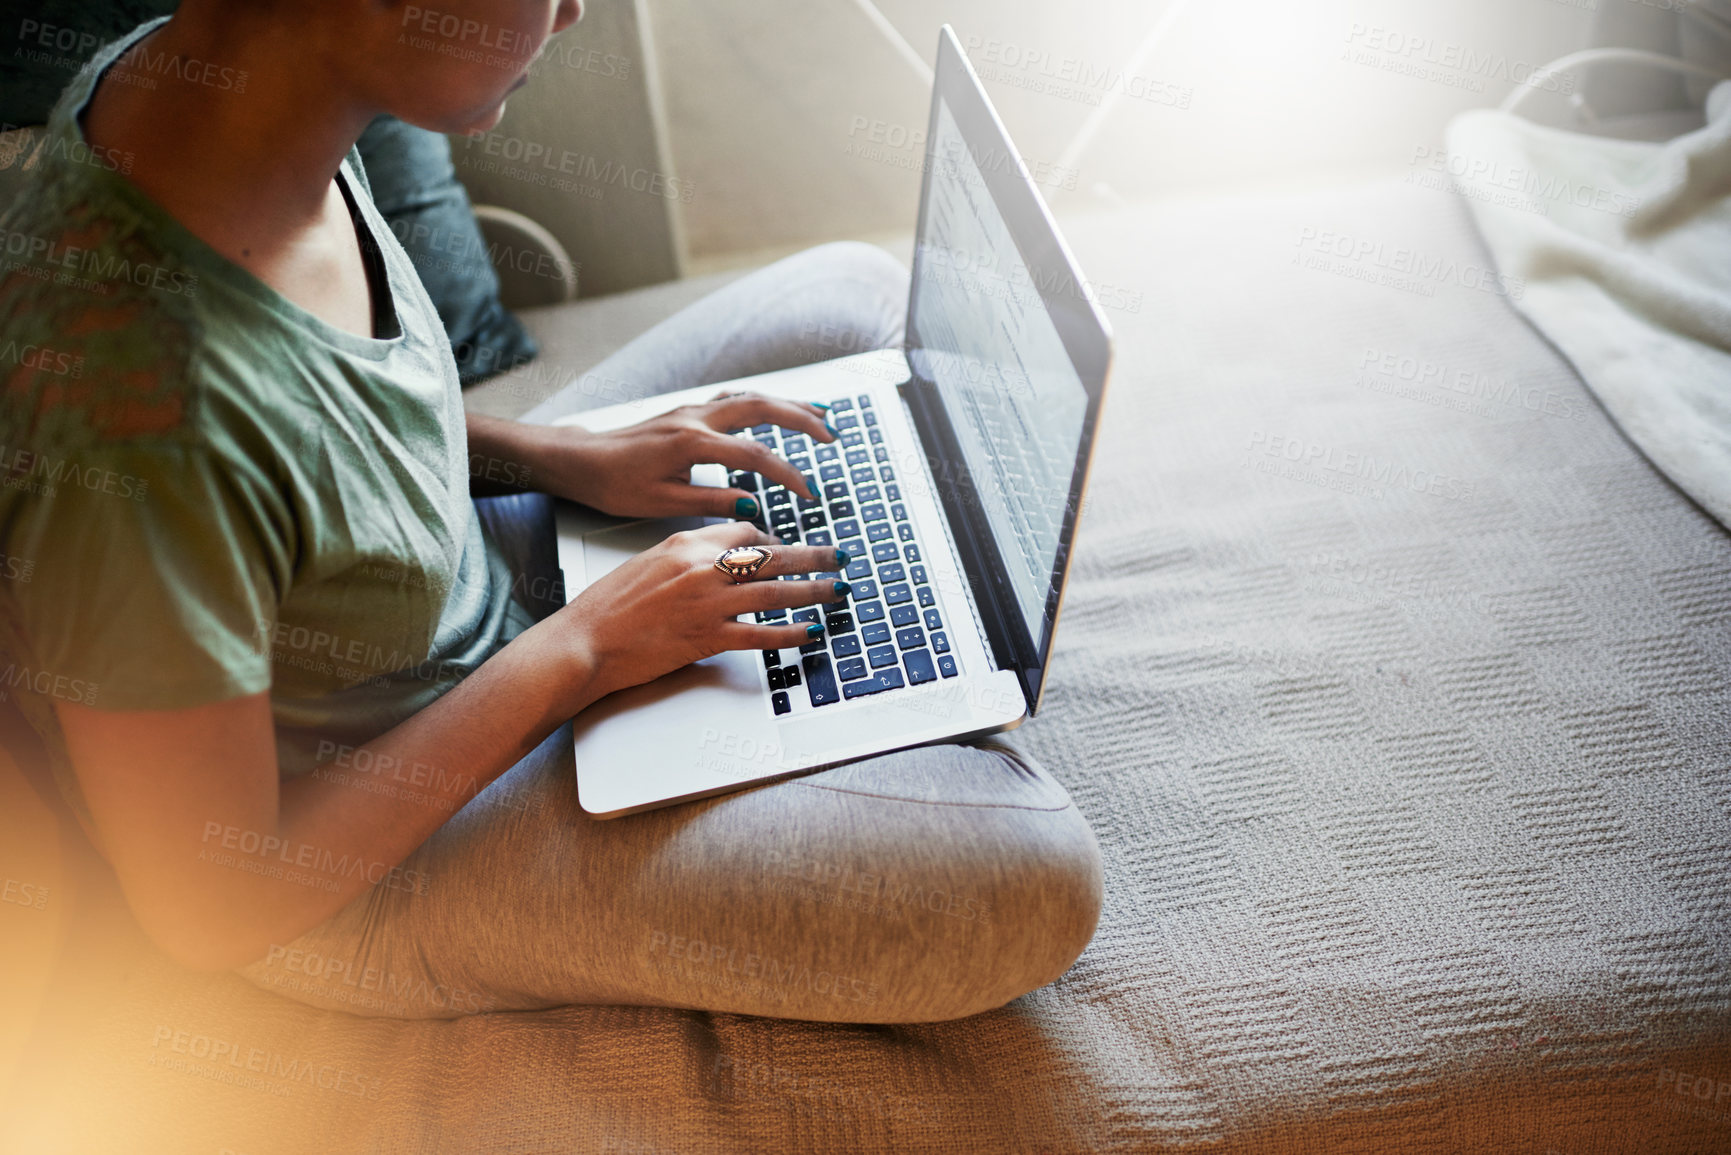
{"x": 413, "y": 181}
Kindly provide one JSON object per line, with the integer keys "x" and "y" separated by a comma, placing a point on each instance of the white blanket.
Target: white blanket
{"x": 1620, "y": 253}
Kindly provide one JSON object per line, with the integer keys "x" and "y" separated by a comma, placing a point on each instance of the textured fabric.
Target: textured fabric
{"x": 1414, "y": 811}
{"x": 1623, "y": 252}
{"x": 218, "y": 492}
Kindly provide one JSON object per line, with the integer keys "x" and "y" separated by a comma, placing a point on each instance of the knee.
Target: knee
{"x": 864, "y": 289}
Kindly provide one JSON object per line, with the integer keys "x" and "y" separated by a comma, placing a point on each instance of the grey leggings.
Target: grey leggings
{"x": 924, "y": 885}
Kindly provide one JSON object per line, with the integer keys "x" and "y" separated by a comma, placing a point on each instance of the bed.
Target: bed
{"x": 1394, "y": 680}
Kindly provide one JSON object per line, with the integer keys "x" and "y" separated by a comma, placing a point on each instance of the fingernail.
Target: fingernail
{"x": 811, "y": 487}
{"x": 815, "y": 630}
{"x": 842, "y": 589}
{"x": 841, "y": 558}
{"x": 833, "y": 431}
{"x": 745, "y": 507}
{"x": 818, "y": 405}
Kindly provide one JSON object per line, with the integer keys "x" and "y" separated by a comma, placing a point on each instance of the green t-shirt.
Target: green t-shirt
{"x": 207, "y": 492}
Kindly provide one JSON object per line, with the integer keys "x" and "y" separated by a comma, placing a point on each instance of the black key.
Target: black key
{"x": 893, "y": 492}
{"x": 845, "y": 647}
{"x": 778, "y": 678}
{"x": 813, "y": 519}
{"x": 881, "y": 454}
{"x": 900, "y": 511}
{"x": 806, "y": 615}
{"x": 809, "y": 648}
{"x": 947, "y": 666}
{"x": 771, "y": 659}
{"x": 842, "y": 404}
{"x": 818, "y": 537}
{"x": 847, "y": 527}
{"x": 905, "y": 531}
{"x": 927, "y": 597}
{"x": 884, "y": 551}
{"x": 807, "y": 501}
{"x": 794, "y": 445}
{"x": 867, "y": 493}
{"x": 841, "y": 509}
{"x": 881, "y": 656}
{"x": 865, "y": 591}
{"x": 838, "y": 624}
{"x": 801, "y": 463}
{"x": 841, "y": 423}
{"x": 875, "y": 634}
{"x": 827, "y": 453}
{"x": 835, "y": 489}
{"x": 911, "y": 638}
{"x": 782, "y": 705}
{"x": 940, "y": 643}
{"x": 766, "y": 441}
{"x": 791, "y": 673}
{"x": 873, "y": 512}
{"x": 869, "y": 418}
{"x": 858, "y": 457}
{"x": 739, "y": 479}
{"x": 904, "y": 616}
{"x": 772, "y": 615}
{"x": 890, "y": 679}
{"x": 788, "y": 536}
{"x": 919, "y": 664}
{"x": 877, "y": 435}
{"x": 819, "y": 680}
{"x": 897, "y": 594}
{"x": 888, "y": 475}
{"x": 919, "y": 572}
{"x": 861, "y": 565}
{"x": 779, "y": 496}
{"x": 891, "y": 572}
{"x": 869, "y": 611}
{"x": 878, "y": 531}
{"x": 865, "y": 402}
{"x": 760, "y": 429}
{"x": 861, "y": 688}
{"x": 860, "y": 476}
{"x": 912, "y": 553}
{"x": 850, "y": 440}
{"x": 782, "y": 515}
{"x": 831, "y": 472}
{"x": 851, "y": 668}
{"x": 933, "y": 622}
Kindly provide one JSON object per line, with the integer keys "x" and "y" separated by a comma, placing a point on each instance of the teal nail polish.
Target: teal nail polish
{"x": 833, "y": 431}
{"x": 818, "y": 405}
{"x": 842, "y": 589}
{"x": 811, "y": 487}
{"x": 841, "y": 558}
{"x": 815, "y": 630}
{"x": 745, "y": 507}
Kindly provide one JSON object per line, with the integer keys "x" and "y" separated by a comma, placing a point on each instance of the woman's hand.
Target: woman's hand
{"x": 644, "y": 470}
{"x": 669, "y": 606}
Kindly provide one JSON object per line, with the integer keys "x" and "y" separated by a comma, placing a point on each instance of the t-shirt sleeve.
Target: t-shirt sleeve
{"x": 154, "y": 574}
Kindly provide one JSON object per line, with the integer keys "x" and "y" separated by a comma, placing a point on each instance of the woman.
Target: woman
{"x": 276, "y": 654}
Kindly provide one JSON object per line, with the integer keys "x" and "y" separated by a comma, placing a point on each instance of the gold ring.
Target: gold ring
{"x": 741, "y": 562}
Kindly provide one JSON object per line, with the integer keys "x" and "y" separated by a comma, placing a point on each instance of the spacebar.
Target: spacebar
{"x": 819, "y": 679}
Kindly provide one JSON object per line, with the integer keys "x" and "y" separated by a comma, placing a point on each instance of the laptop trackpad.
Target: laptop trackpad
{"x": 605, "y": 550}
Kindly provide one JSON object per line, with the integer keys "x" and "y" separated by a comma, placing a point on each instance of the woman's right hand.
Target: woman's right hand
{"x": 669, "y": 606}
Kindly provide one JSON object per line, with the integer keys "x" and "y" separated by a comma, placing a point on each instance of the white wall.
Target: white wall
{"x": 765, "y": 97}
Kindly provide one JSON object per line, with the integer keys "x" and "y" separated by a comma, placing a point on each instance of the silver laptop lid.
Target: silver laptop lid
{"x": 1010, "y": 356}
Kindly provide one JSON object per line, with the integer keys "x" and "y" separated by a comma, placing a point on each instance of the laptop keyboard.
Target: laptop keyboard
{"x": 888, "y": 634}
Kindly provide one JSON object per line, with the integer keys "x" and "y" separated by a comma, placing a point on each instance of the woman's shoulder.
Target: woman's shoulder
{"x": 99, "y": 321}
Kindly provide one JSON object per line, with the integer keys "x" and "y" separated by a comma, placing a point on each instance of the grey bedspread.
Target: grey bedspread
{"x": 1395, "y": 683}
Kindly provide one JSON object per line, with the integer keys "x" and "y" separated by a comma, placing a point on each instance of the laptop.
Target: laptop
{"x": 955, "y": 487}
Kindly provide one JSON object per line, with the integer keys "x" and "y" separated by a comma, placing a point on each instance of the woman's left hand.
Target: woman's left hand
{"x": 644, "y": 470}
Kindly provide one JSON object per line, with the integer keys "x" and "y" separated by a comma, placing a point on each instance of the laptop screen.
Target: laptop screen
{"x": 1010, "y": 355}
{"x": 1012, "y": 395}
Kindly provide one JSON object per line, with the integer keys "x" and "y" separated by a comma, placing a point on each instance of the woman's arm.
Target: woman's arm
{"x": 643, "y": 470}
{"x": 219, "y": 861}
